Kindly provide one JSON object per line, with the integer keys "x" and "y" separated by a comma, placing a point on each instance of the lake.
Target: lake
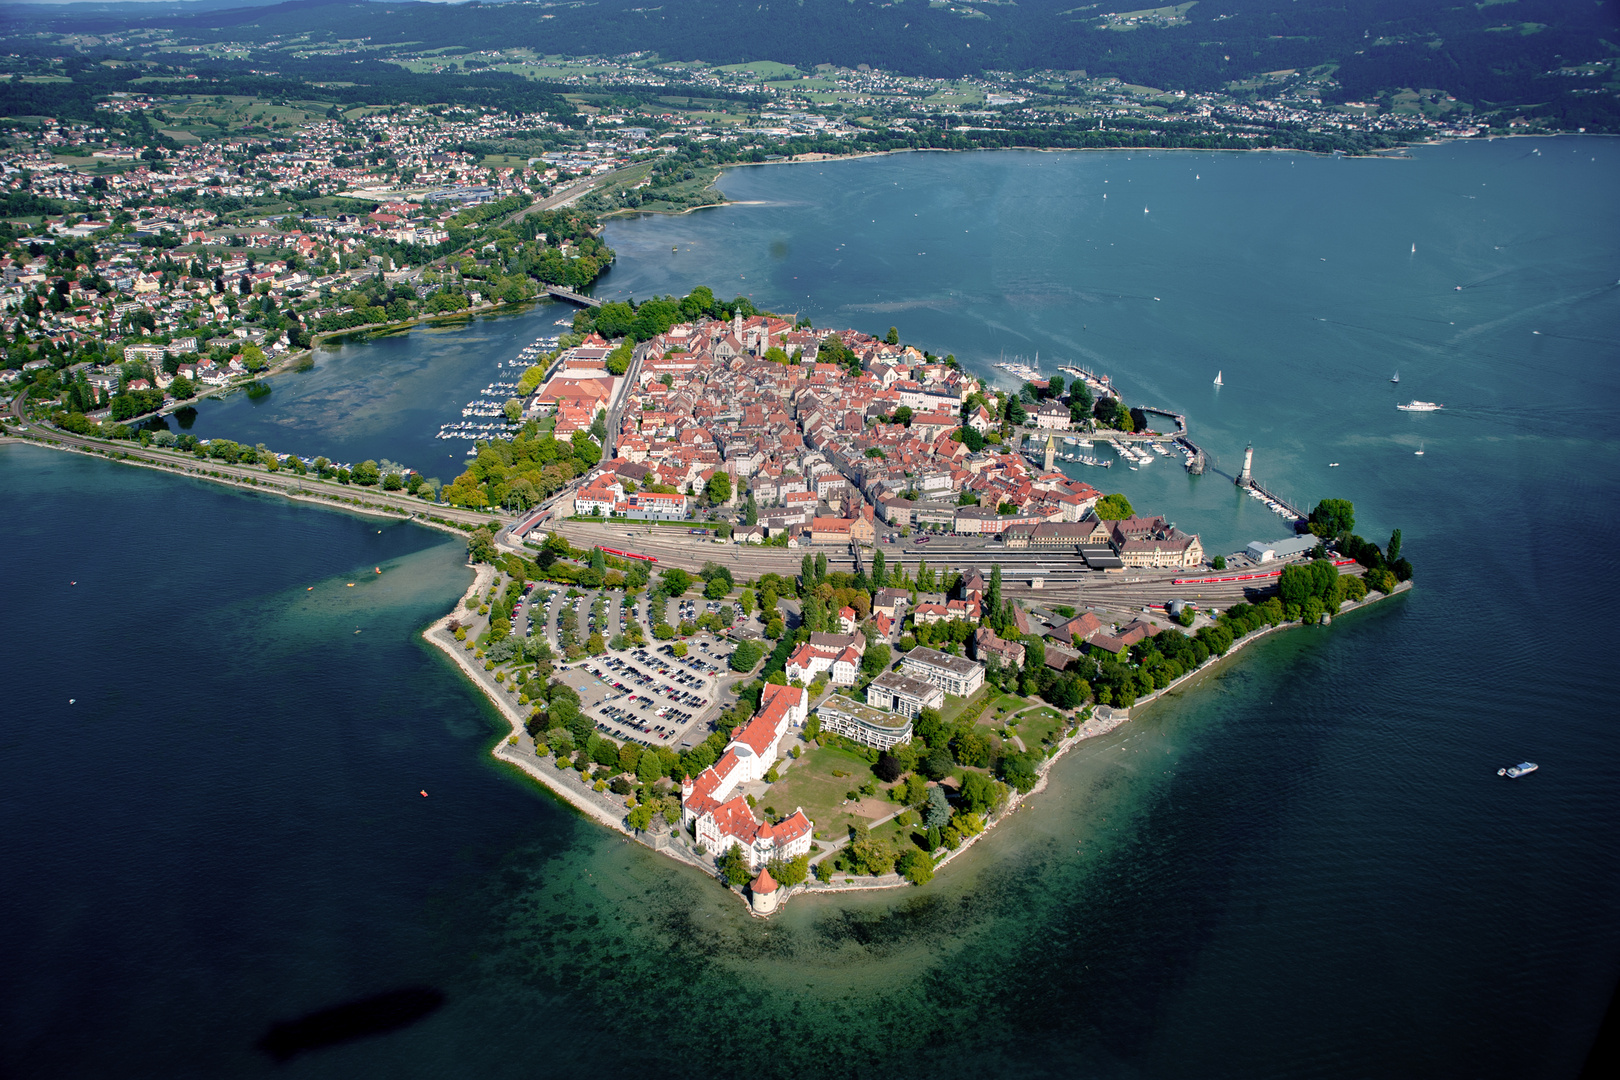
{"x": 1304, "y": 865}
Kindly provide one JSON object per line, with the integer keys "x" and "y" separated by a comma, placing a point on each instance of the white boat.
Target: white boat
{"x": 1395, "y": 378}
{"x": 1513, "y": 772}
{"x": 1419, "y": 451}
{"x": 1333, "y": 464}
{"x": 1218, "y": 379}
{"x": 1420, "y": 406}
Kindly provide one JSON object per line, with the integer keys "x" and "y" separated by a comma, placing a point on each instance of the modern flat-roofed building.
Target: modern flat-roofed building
{"x": 952, "y": 674}
{"x": 863, "y": 723}
{"x": 897, "y": 693}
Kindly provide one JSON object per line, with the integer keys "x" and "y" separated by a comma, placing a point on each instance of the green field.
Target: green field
{"x": 810, "y": 783}
{"x": 764, "y": 69}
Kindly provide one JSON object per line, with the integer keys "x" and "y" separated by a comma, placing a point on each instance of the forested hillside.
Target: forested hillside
{"x": 1507, "y": 52}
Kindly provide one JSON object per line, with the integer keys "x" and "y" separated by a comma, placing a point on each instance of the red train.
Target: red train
{"x": 1248, "y": 577}
{"x": 628, "y": 555}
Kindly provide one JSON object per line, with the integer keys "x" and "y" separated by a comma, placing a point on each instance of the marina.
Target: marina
{"x": 484, "y": 416}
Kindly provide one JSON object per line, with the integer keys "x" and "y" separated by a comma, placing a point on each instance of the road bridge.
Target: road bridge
{"x": 573, "y": 297}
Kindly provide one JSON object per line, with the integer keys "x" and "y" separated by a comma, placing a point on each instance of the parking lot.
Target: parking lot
{"x": 651, "y": 696}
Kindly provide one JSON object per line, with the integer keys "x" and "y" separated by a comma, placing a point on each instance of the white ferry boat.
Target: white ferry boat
{"x": 1513, "y": 772}
{"x": 1420, "y": 406}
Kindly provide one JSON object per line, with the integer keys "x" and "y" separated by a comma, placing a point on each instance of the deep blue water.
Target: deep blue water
{"x": 1302, "y": 867}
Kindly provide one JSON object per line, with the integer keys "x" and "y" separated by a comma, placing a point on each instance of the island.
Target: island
{"x": 811, "y": 610}
{"x": 822, "y": 612}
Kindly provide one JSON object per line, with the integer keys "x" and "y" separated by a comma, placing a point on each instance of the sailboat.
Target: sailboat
{"x": 1218, "y": 379}
{"x": 1395, "y": 378}
{"x": 1419, "y": 451}
{"x": 1414, "y": 249}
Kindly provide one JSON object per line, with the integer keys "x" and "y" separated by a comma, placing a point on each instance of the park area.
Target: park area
{"x": 820, "y": 781}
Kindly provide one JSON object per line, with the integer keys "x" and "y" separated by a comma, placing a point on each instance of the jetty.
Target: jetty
{"x": 1199, "y": 461}
{"x": 1180, "y": 419}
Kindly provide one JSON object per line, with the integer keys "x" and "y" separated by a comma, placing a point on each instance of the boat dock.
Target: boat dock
{"x": 1197, "y": 460}
{"x": 1272, "y": 496}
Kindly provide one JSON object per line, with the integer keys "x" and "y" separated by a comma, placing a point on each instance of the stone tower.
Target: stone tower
{"x": 1246, "y": 477}
{"x": 1051, "y": 451}
{"x": 764, "y": 893}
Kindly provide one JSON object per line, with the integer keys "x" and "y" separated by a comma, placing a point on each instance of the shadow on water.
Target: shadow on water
{"x": 376, "y": 1015}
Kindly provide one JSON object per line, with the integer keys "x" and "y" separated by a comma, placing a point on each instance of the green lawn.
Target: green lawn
{"x": 956, "y": 707}
{"x": 810, "y": 783}
{"x": 1037, "y": 725}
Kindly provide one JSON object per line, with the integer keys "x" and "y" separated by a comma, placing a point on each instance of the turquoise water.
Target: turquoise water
{"x": 1302, "y": 866}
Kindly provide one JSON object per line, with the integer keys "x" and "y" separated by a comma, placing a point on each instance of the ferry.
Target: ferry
{"x": 1420, "y": 406}
{"x": 1513, "y": 772}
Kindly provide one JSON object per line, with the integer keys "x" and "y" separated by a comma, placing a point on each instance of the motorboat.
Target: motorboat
{"x": 1420, "y": 406}
{"x": 1523, "y": 768}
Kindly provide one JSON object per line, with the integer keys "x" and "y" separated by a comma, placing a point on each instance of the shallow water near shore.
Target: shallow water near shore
{"x": 1300, "y": 865}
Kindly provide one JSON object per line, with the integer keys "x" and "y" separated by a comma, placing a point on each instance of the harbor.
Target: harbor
{"x": 484, "y": 417}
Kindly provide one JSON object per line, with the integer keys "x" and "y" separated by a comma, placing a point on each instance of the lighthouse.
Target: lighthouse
{"x": 1051, "y": 451}
{"x": 1246, "y": 477}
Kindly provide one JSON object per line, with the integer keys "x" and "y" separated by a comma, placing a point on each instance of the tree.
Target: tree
{"x": 1114, "y": 507}
{"x": 1019, "y": 770}
{"x": 676, "y": 581}
{"x": 879, "y": 571}
{"x": 718, "y": 489}
{"x": 751, "y": 515}
{"x": 917, "y": 867}
{"x": 733, "y": 867}
{"x": 366, "y": 473}
{"x": 746, "y": 655}
{"x": 876, "y": 660}
{"x": 1333, "y": 518}
{"x": 887, "y": 768}
{"x": 893, "y": 337}
{"x": 821, "y": 567}
{"x": 981, "y": 794}
{"x": 790, "y": 871}
{"x": 1219, "y": 562}
{"x": 937, "y": 809}
{"x": 514, "y": 410}
{"x": 1393, "y": 552}
{"x": 938, "y": 764}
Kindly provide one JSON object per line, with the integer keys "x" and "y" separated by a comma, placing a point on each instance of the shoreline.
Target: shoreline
{"x": 333, "y": 501}
{"x": 1394, "y": 153}
{"x": 509, "y": 750}
{"x": 435, "y": 635}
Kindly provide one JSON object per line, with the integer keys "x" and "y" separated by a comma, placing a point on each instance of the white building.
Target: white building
{"x": 952, "y": 674}
{"x": 863, "y": 723}
{"x": 898, "y": 693}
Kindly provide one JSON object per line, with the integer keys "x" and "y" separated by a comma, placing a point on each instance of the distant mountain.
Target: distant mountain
{"x": 1490, "y": 54}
